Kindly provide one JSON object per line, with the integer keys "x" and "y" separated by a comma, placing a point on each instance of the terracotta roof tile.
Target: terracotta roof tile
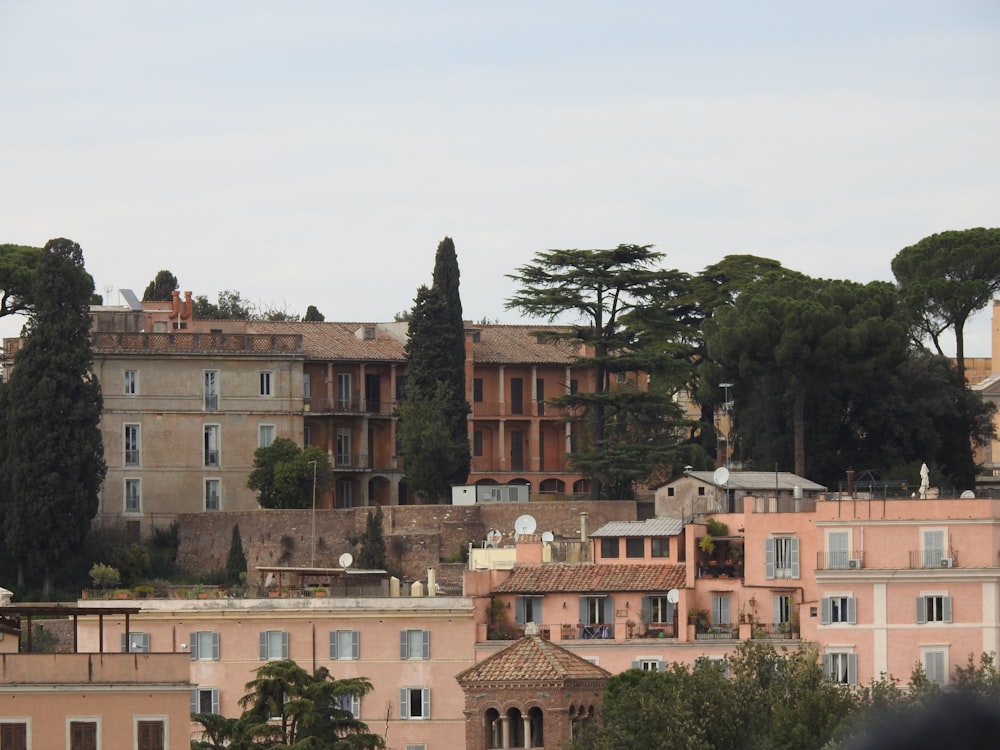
{"x": 532, "y": 659}
{"x": 660, "y": 526}
{"x": 502, "y": 344}
{"x": 585, "y": 578}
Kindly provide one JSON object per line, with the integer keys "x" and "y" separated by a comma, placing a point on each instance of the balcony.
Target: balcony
{"x": 724, "y": 632}
{"x": 775, "y": 631}
{"x": 352, "y": 407}
{"x": 840, "y": 560}
{"x": 929, "y": 559}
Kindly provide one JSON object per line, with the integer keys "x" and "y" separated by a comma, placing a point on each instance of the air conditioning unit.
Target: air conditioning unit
{"x": 854, "y": 563}
{"x": 947, "y": 562}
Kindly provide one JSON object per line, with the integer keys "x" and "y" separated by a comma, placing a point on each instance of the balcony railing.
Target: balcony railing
{"x": 933, "y": 559}
{"x": 777, "y": 630}
{"x": 840, "y": 560}
{"x": 349, "y": 406}
{"x": 718, "y": 633}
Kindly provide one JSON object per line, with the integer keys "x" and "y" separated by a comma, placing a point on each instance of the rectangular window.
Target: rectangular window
{"x": 838, "y": 553}
{"x": 344, "y": 391}
{"x": 517, "y": 395}
{"x": 205, "y": 700}
{"x": 649, "y": 665}
{"x": 416, "y": 747}
{"x": 635, "y": 547}
{"x": 841, "y": 667}
{"x": 783, "y": 610}
{"x": 265, "y": 435}
{"x": 213, "y": 494}
{"x": 609, "y": 548}
{"x": 212, "y": 444}
{"x": 935, "y": 662}
{"x": 477, "y": 443}
{"x": 528, "y": 609}
{"x": 721, "y": 613}
{"x": 265, "y": 383}
{"x": 934, "y": 548}
{"x": 477, "y": 390}
{"x": 136, "y": 643}
{"x": 132, "y": 446}
{"x": 306, "y": 386}
{"x": 351, "y": 704}
{"x": 131, "y": 382}
{"x": 306, "y": 436}
{"x": 82, "y": 735}
{"x": 205, "y": 645}
{"x": 659, "y": 547}
{"x": 343, "y": 454}
{"x": 345, "y": 493}
{"x": 151, "y": 735}
{"x": 133, "y": 496}
{"x": 658, "y": 610}
{"x": 540, "y": 396}
{"x": 14, "y": 735}
{"x": 211, "y": 390}
{"x": 273, "y": 645}
{"x": 596, "y": 610}
{"x": 933, "y": 608}
{"x": 781, "y": 557}
{"x": 400, "y": 387}
{"x": 414, "y": 703}
{"x": 838, "y": 609}
{"x": 373, "y": 393}
{"x": 345, "y": 644}
{"x": 414, "y": 644}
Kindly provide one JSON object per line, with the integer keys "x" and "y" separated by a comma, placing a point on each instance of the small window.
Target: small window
{"x": 838, "y": 609}
{"x": 345, "y": 644}
{"x": 82, "y": 736}
{"x": 211, "y": 444}
{"x": 306, "y": 386}
{"x": 136, "y": 643}
{"x": 213, "y": 494}
{"x": 205, "y": 645}
{"x": 265, "y": 435}
{"x": 528, "y": 609}
{"x": 721, "y": 610}
{"x": 306, "y": 436}
{"x": 477, "y": 443}
{"x": 211, "y": 390}
{"x": 133, "y": 496}
{"x": 701, "y": 491}
{"x": 414, "y": 644}
{"x": 352, "y": 704}
{"x": 659, "y": 547}
{"x": 132, "y": 446}
{"x": 131, "y": 382}
{"x": 841, "y": 667}
{"x": 14, "y": 734}
{"x": 414, "y": 703}
{"x": 273, "y": 645}
{"x": 635, "y": 547}
{"x": 151, "y": 735}
{"x": 670, "y": 491}
{"x": 609, "y": 548}
{"x": 935, "y": 663}
{"x": 265, "y": 383}
{"x": 621, "y": 377}
{"x": 477, "y": 390}
{"x": 781, "y": 557}
{"x": 419, "y": 747}
{"x": 205, "y": 700}
{"x": 649, "y": 665}
{"x": 933, "y": 608}
{"x": 658, "y": 610}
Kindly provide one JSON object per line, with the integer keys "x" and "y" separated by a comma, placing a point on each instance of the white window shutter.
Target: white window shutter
{"x": 404, "y": 703}
{"x": 425, "y": 701}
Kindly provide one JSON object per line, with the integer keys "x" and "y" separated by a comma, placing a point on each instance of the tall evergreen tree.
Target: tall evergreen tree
{"x": 236, "y": 562}
{"x": 161, "y": 288}
{"x": 435, "y": 374}
{"x": 54, "y": 463}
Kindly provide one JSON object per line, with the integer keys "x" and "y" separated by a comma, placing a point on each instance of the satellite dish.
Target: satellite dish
{"x": 673, "y": 596}
{"x": 967, "y": 494}
{"x": 524, "y": 525}
{"x": 548, "y": 536}
{"x": 346, "y": 559}
{"x": 493, "y": 536}
{"x": 721, "y": 475}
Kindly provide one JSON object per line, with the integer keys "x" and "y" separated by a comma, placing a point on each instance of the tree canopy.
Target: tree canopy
{"x": 283, "y": 474}
{"x": 945, "y": 278}
{"x": 53, "y": 463}
{"x": 286, "y": 706}
{"x": 161, "y": 288}
{"x": 17, "y": 268}
{"x": 619, "y": 302}
{"x": 434, "y": 432}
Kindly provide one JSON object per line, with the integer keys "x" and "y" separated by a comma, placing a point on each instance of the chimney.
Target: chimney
{"x": 583, "y": 526}
{"x": 850, "y": 482}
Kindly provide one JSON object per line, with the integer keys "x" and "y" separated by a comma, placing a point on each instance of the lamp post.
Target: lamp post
{"x": 312, "y": 539}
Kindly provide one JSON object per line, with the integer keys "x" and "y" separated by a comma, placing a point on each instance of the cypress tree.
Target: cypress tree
{"x": 54, "y": 463}
{"x": 236, "y": 563}
{"x": 435, "y": 383}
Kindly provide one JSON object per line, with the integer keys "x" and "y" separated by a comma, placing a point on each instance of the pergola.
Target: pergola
{"x": 12, "y": 614}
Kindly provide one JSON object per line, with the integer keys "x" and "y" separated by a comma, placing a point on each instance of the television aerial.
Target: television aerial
{"x": 346, "y": 559}
{"x": 525, "y": 525}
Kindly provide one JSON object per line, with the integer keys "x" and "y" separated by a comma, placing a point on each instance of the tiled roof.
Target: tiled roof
{"x": 650, "y": 527}
{"x": 758, "y": 480}
{"x": 532, "y": 659}
{"x": 498, "y": 344}
{"x": 589, "y": 577}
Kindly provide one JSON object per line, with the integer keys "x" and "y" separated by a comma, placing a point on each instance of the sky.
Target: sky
{"x": 315, "y": 152}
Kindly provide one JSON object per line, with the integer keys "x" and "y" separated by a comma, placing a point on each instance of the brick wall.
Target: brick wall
{"x": 417, "y": 536}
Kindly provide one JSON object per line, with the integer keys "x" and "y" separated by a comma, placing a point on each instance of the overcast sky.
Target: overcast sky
{"x": 317, "y": 152}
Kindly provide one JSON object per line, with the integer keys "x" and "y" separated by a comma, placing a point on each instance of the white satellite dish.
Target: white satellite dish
{"x": 493, "y": 536}
{"x": 525, "y": 525}
{"x": 673, "y": 596}
{"x": 346, "y": 559}
{"x": 548, "y": 536}
{"x": 721, "y": 475}
{"x": 967, "y": 495}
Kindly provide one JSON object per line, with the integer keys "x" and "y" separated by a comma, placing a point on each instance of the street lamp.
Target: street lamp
{"x": 312, "y": 540}
{"x": 727, "y": 408}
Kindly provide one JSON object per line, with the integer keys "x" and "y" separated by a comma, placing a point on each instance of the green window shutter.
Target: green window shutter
{"x": 794, "y": 549}
{"x": 519, "y": 611}
{"x": 193, "y": 640}
{"x": 355, "y": 644}
{"x": 921, "y": 609}
{"x": 852, "y": 610}
{"x": 946, "y": 608}
{"x": 769, "y": 557}
{"x": 403, "y": 646}
{"x": 263, "y": 645}
{"x": 333, "y": 645}
{"x": 404, "y": 703}
{"x": 426, "y": 644}
{"x": 826, "y": 611}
